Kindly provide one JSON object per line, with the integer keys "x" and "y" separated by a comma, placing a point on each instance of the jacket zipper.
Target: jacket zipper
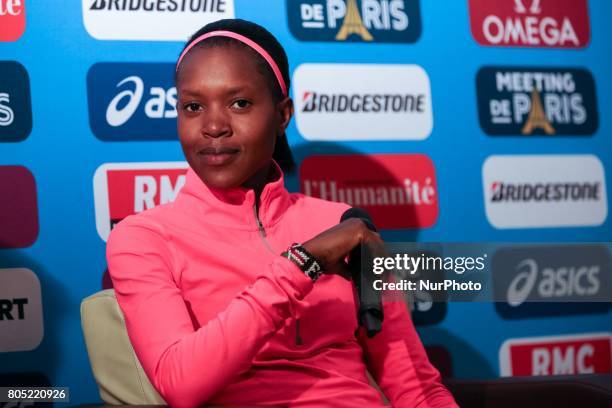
{"x": 262, "y": 234}
{"x": 298, "y": 339}
{"x": 262, "y": 231}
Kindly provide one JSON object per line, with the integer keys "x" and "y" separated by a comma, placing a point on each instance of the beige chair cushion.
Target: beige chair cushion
{"x": 120, "y": 377}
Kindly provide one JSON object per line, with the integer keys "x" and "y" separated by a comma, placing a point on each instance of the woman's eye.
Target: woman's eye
{"x": 192, "y": 107}
{"x": 241, "y": 104}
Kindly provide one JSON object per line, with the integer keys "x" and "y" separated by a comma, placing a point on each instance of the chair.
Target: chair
{"x": 118, "y": 373}
{"x": 122, "y": 381}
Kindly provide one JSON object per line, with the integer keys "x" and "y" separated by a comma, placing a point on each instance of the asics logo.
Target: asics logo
{"x": 553, "y": 282}
{"x": 117, "y": 117}
{"x": 523, "y": 283}
{"x": 160, "y": 104}
{"x": 7, "y": 115}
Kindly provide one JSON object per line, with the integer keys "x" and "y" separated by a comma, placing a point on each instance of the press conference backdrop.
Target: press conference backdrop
{"x": 452, "y": 121}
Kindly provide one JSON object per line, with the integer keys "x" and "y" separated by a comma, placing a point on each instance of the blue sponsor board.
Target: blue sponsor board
{"x": 429, "y": 307}
{"x": 133, "y": 101}
{"x": 532, "y": 101}
{"x": 15, "y": 102}
{"x": 555, "y": 280}
{"x": 389, "y": 21}
{"x": 427, "y": 313}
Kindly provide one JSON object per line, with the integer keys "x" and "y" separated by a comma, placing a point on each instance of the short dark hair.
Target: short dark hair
{"x": 282, "y": 153}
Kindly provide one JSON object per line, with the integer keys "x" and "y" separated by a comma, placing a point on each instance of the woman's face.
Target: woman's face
{"x": 228, "y": 119}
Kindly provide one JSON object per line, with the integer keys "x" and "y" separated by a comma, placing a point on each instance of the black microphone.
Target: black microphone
{"x": 370, "y": 313}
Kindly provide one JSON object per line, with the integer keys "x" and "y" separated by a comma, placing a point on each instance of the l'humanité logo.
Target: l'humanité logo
{"x": 397, "y": 190}
{"x": 536, "y": 101}
{"x": 394, "y": 21}
{"x": 12, "y": 19}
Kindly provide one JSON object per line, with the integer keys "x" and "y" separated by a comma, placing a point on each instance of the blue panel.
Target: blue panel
{"x": 73, "y": 78}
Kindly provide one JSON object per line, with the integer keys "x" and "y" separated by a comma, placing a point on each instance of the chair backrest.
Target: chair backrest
{"x": 120, "y": 377}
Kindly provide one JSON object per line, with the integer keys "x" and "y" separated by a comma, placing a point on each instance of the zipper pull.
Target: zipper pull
{"x": 298, "y": 339}
{"x": 260, "y": 226}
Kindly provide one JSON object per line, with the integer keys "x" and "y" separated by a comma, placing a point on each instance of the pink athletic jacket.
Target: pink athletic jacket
{"x": 216, "y": 316}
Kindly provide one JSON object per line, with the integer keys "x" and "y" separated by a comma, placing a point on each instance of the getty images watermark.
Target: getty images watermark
{"x": 404, "y": 263}
{"x": 514, "y": 273}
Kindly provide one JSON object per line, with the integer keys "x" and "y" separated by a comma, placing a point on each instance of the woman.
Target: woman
{"x": 214, "y": 311}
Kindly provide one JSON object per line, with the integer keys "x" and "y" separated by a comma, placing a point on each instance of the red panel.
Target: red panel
{"x": 398, "y": 190}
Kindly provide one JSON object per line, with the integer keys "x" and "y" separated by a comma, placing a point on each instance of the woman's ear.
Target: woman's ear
{"x": 285, "y": 109}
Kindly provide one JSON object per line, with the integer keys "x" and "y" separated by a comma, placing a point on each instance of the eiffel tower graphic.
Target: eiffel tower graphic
{"x": 352, "y": 24}
{"x": 537, "y": 117}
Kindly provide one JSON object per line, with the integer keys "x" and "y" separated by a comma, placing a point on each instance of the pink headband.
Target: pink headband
{"x": 245, "y": 40}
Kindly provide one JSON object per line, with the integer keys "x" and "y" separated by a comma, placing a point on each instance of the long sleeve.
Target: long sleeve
{"x": 188, "y": 366}
{"x": 397, "y": 360}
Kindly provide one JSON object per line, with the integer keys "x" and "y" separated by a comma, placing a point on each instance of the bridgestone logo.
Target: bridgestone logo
{"x": 161, "y": 5}
{"x": 546, "y": 192}
{"x": 151, "y": 20}
{"x": 532, "y": 191}
{"x": 362, "y": 102}
{"x": 318, "y": 102}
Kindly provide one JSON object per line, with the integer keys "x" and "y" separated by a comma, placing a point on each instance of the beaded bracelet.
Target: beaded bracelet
{"x": 304, "y": 260}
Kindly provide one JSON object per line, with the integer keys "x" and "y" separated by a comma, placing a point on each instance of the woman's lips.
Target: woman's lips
{"x": 218, "y": 156}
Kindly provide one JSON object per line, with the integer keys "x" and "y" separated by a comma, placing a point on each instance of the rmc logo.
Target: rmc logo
{"x": 135, "y": 101}
{"x": 586, "y": 353}
{"x": 123, "y": 189}
{"x": 395, "y": 21}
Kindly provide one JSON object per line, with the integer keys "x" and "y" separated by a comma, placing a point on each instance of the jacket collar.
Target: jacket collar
{"x": 235, "y": 207}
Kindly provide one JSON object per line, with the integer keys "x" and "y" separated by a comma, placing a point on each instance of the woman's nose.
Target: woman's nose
{"x": 216, "y": 124}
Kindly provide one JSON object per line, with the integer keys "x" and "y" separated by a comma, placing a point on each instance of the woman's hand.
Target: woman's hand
{"x": 333, "y": 245}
